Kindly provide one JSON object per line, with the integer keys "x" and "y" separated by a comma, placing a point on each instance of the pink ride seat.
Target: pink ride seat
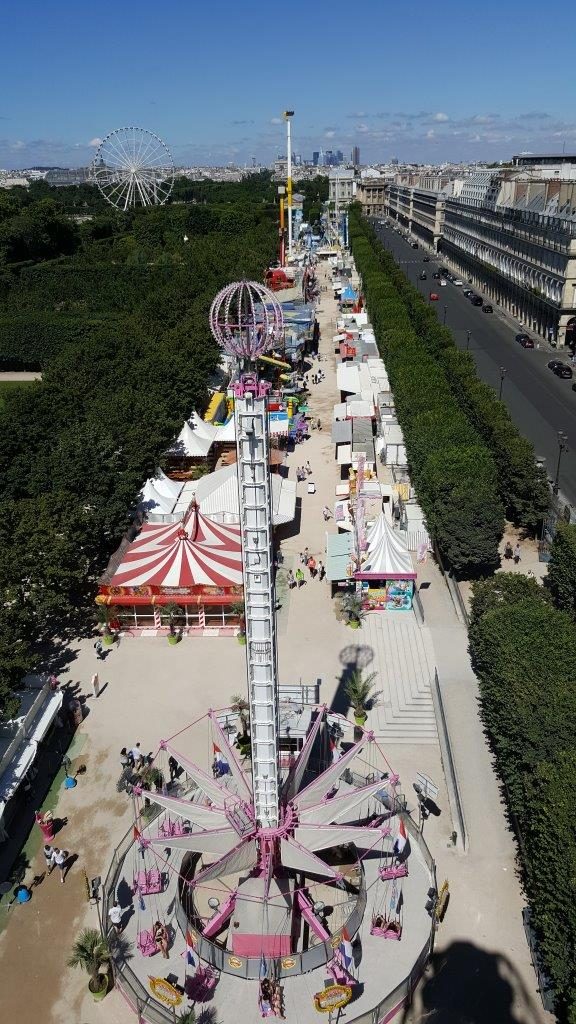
{"x": 146, "y": 943}
{"x": 148, "y": 882}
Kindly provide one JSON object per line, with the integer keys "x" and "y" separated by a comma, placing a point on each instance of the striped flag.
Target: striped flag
{"x": 191, "y": 955}
{"x": 220, "y": 760}
{"x": 345, "y": 948}
{"x": 336, "y": 755}
{"x": 401, "y": 838}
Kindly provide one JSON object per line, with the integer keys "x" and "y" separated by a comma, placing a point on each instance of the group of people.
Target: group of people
{"x": 316, "y": 570}
{"x": 133, "y": 758}
{"x": 56, "y": 858}
{"x": 303, "y": 471}
{"x": 510, "y": 552}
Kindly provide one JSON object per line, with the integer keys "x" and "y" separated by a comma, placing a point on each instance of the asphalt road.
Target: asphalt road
{"x": 540, "y": 403}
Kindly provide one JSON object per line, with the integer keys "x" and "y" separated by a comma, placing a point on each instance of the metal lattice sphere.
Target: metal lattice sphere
{"x": 133, "y": 167}
{"x": 246, "y": 319}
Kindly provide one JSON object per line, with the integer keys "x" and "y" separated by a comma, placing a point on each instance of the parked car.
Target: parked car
{"x": 426, "y": 259}
{"x": 436, "y": 275}
{"x": 468, "y": 293}
{"x": 442, "y": 282}
{"x": 477, "y": 300}
{"x": 560, "y": 369}
{"x": 414, "y": 245}
{"x": 423, "y": 276}
{"x": 444, "y": 271}
{"x": 457, "y": 282}
{"x": 526, "y": 341}
{"x": 433, "y": 297}
{"x": 487, "y": 308}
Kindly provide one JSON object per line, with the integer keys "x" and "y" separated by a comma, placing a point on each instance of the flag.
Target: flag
{"x": 401, "y": 838}
{"x": 136, "y": 833}
{"x": 345, "y": 948}
{"x": 263, "y": 967}
{"x": 219, "y": 756}
{"x": 336, "y": 755}
{"x": 191, "y": 955}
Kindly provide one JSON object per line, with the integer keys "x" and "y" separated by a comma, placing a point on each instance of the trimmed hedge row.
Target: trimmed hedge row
{"x": 522, "y": 484}
{"x": 524, "y": 653}
{"x": 452, "y": 469}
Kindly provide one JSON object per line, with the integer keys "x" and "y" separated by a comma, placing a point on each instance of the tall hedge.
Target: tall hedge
{"x": 562, "y": 568}
{"x": 452, "y": 469}
{"x": 522, "y": 484}
{"x": 524, "y": 654}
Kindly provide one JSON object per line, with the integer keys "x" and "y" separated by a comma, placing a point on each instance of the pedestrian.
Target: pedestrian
{"x": 291, "y": 580}
{"x": 299, "y": 577}
{"x": 60, "y": 859}
{"x": 115, "y": 915}
{"x": 326, "y": 513}
{"x": 516, "y": 554}
{"x": 126, "y": 759}
{"x": 48, "y": 852}
{"x": 319, "y": 425}
{"x": 312, "y": 567}
{"x": 137, "y": 755}
{"x": 309, "y": 469}
{"x": 508, "y": 552}
{"x": 98, "y": 649}
{"x": 321, "y": 571}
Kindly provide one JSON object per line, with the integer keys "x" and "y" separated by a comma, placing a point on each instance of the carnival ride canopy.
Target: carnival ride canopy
{"x": 387, "y": 556}
{"x": 217, "y": 494}
{"x": 193, "y": 552}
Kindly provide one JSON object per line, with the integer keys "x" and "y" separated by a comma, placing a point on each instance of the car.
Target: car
{"x": 426, "y": 259}
{"x": 526, "y": 341}
{"x": 477, "y": 300}
{"x": 444, "y": 271}
{"x": 433, "y": 297}
{"x": 436, "y": 275}
{"x": 423, "y": 276}
{"x": 468, "y": 292}
{"x": 487, "y": 308}
{"x": 414, "y": 245}
{"x": 442, "y": 282}
{"x": 457, "y": 282}
{"x": 560, "y": 369}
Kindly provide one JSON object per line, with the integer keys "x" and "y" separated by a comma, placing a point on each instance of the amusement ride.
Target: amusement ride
{"x": 279, "y": 858}
{"x": 133, "y": 167}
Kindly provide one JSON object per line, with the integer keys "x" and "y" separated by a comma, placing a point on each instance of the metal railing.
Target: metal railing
{"x": 452, "y": 778}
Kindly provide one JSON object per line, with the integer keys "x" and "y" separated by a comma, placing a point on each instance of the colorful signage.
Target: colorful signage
{"x": 332, "y": 998}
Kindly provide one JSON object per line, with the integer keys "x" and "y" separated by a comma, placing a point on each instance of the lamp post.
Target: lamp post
{"x": 287, "y": 115}
{"x": 468, "y": 340}
{"x": 281, "y": 194}
{"x": 562, "y": 447}
{"x": 445, "y": 312}
{"x": 502, "y": 376}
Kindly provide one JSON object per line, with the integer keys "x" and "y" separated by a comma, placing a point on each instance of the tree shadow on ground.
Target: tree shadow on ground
{"x": 465, "y": 984}
{"x": 352, "y": 658}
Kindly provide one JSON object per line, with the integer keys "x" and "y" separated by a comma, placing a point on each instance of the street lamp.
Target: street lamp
{"x": 562, "y": 447}
{"x": 445, "y": 312}
{"x": 502, "y": 375}
{"x": 468, "y": 333}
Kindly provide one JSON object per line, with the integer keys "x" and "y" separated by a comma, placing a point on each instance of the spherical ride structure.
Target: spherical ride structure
{"x": 133, "y": 167}
{"x": 246, "y": 320}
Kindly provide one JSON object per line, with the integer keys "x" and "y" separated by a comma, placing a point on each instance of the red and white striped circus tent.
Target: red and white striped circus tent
{"x": 195, "y": 562}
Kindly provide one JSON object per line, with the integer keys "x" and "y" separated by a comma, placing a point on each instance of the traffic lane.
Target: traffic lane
{"x": 539, "y": 402}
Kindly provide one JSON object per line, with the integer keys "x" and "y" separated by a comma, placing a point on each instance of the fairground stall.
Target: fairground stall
{"x": 386, "y": 571}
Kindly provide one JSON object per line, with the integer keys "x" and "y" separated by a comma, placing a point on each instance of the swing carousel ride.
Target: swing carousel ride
{"x": 272, "y": 867}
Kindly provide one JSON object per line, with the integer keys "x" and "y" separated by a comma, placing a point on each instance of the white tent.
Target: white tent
{"x": 167, "y": 487}
{"x": 217, "y": 496}
{"x": 189, "y": 443}
{"x": 387, "y": 556}
{"x": 153, "y": 501}
{"x": 201, "y": 427}
{"x": 227, "y": 432}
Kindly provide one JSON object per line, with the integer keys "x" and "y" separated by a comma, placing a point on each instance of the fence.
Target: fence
{"x": 447, "y": 757}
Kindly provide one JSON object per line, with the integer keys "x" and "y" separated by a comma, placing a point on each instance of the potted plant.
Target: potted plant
{"x": 239, "y": 610}
{"x": 170, "y": 611}
{"x": 353, "y": 610}
{"x": 241, "y": 707}
{"x": 91, "y": 952}
{"x": 105, "y": 614}
{"x": 359, "y": 690}
{"x": 152, "y": 776}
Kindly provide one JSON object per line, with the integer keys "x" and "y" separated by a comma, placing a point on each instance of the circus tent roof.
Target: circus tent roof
{"x": 153, "y": 500}
{"x": 387, "y": 556}
{"x": 193, "y": 552}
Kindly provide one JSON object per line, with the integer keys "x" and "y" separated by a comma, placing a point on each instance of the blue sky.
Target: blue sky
{"x": 421, "y": 82}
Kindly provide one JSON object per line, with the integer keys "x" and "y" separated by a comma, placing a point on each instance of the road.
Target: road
{"x": 540, "y": 403}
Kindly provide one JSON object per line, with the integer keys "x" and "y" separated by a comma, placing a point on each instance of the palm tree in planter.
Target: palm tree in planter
{"x": 352, "y": 608}
{"x": 360, "y": 692}
{"x": 238, "y": 609}
{"x": 105, "y": 614}
{"x": 92, "y": 953}
{"x": 243, "y": 741}
{"x": 170, "y": 611}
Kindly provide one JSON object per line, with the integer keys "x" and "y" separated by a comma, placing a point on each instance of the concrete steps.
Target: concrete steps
{"x": 404, "y": 661}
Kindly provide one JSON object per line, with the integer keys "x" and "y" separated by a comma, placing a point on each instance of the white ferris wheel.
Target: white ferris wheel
{"x": 133, "y": 167}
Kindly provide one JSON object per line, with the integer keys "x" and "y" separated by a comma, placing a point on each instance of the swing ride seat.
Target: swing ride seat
{"x": 394, "y": 871}
{"x": 271, "y": 1007}
{"x": 146, "y": 943}
{"x": 148, "y": 882}
{"x": 201, "y": 985}
{"x": 169, "y": 829}
{"x": 385, "y": 931}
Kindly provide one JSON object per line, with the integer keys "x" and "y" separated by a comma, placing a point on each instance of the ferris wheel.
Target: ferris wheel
{"x": 133, "y": 167}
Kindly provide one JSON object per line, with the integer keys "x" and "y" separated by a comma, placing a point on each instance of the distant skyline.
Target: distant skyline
{"x": 212, "y": 80}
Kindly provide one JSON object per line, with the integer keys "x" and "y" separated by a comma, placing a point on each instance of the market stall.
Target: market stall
{"x": 386, "y": 571}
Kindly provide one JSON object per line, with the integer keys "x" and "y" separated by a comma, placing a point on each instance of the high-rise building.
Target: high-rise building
{"x": 315, "y": 158}
{"x": 355, "y": 156}
{"x": 340, "y": 156}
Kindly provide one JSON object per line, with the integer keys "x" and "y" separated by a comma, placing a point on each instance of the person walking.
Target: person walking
{"x": 291, "y": 580}
{"x": 312, "y": 566}
{"x": 309, "y": 469}
{"x": 517, "y": 554}
{"x": 60, "y": 860}
{"x": 326, "y": 513}
{"x": 306, "y": 556}
{"x": 508, "y": 552}
{"x": 115, "y": 915}
{"x": 48, "y": 854}
{"x": 126, "y": 759}
{"x": 319, "y": 425}
{"x": 299, "y": 577}
{"x": 98, "y": 649}
{"x": 321, "y": 571}
{"x": 137, "y": 755}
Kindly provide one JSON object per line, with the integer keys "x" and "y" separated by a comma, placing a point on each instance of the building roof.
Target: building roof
{"x": 341, "y": 431}
{"x": 217, "y": 495}
{"x": 339, "y": 547}
{"x": 387, "y": 556}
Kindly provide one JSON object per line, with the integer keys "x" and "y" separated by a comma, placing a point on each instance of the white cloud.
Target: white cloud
{"x": 329, "y": 134}
{"x": 362, "y": 128}
{"x": 275, "y": 120}
{"x": 95, "y": 142}
{"x": 440, "y": 117}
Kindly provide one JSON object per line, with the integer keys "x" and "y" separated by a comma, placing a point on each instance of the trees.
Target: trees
{"x": 91, "y": 953}
{"x": 562, "y": 568}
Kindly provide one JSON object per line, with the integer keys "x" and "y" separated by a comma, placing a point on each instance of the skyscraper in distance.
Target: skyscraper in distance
{"x": 355, "y": 156}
